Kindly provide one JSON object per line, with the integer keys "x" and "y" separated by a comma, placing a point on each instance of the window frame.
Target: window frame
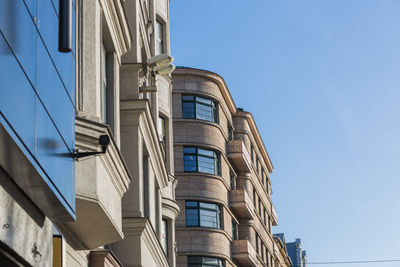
{"x": 201, "y": 262}
{"x": 159, "y": 40}
{"x": 196, "y": 154}
{"x": 198, "y": 208}
{"x": 214, "y": 107}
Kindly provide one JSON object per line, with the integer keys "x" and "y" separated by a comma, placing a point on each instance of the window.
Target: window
{"x": 234, "y": 231}
{"x": 103, "y": 84}
{"x": 162, "y": 133}
{"x": 257, "y": 166}
{"x": 259, "y": 206}
{"x": 230, "y": 133}
{"x": 257, "y": 248}
{"x": 262, "y": 251}
{"x": 203, "y": 214}
{"x": 269, "y": 223}
{"x": 233, "y": 181}
{"x": 164, "y": 236}
{"x": 200, "y": 160}
{"x": 265, "y": 217}
{"x": 198, "y": 261}
{"x": 252, "y": 153}
{"x": 254, "y": 198}
{"x": 262, "y": 176}
{"x": 159, "y": 38}
{"x": 195, "y": 107}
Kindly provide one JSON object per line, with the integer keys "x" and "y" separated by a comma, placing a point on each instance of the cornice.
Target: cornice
{"x": 211, "y": 76}
{"x": 113, "y": 10}
{"x": 256, "y": 134}
{"x": 142, "y": 227}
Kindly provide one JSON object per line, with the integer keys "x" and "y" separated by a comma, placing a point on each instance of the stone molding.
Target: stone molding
{"x": 140, "y": 116}
{"x": 118, "y": 24}
{"x": 142, "y": 227}
{"x": 170, "y": 208}
{"x": 213, "y": 77}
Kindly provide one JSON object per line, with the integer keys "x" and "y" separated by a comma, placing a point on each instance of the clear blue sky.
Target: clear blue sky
{"x": 322, "y": 79}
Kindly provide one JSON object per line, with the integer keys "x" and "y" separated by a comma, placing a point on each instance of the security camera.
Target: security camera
{"x": 104, "y": 141}
{"x": 161, "y": 60}
{"x": 161, "y": 64}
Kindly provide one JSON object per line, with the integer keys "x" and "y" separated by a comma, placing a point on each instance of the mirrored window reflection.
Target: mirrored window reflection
{"x": 203, "y": 214}
{"x": 200, "y": 160}
{"x": 195, "y": 107}
{"x": 199, "y": 261}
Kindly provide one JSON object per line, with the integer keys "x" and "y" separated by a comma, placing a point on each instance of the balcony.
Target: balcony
{"x": 101, "y": 182}
{"x": 238, "y": 155}
{"x": 244, "y": 253}
{"x": 241, "y": 204}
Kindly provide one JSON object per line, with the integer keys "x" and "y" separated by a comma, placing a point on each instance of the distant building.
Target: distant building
{"x": 223, "y": 170}
{"x": 296, "y": 254}
{"x": 281, "y": 257}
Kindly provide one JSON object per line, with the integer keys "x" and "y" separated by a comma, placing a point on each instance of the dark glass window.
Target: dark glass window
{"x": 254, "y": 198}
{"x": 233, "y": 181}
{"x": 203, "y": 214}
{"x": 234, "y": 231}
{"x": 265, "y": 217}
{"x": 262, "y": 176}
{"x": 230, "y": 133}
{"x": 257, "y": 248}
{"x": 259, "y": 207}
{"x": 200, "y": 160}
{"x": 195, "y": 107}
{"x": 199, "y": 261}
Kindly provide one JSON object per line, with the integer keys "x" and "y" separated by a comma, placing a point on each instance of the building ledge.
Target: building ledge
{"x": 101, "y": 182}
{"x": 239, "y": 156}
{"x": 244, "y": 253}
{"x": 241, "y": 203}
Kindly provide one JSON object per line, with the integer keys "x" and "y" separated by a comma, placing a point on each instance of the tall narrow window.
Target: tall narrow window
{"x": 254, "y": 198}
{"x": 262, "y": 251}
{"x": 203, "y": 214}
{"x": 162, "y": 133}
{"x": 230, "y": 133}
{"x": 265, "y": 217}
{"x": 259, "y": 206}
{"x": 103, "y": 84}
{"x": 252, "y": 153}
{"x": 159, "y": 38}
{"x": 195, "y": 107}
{"x": 200, "y": 160}
{"x": 262, "y": 176}
{"x": 234, "y": 231}
{"x": 164, "y": 236}
{"x": 233, "y": 181}
{"x": 257, "y": 247}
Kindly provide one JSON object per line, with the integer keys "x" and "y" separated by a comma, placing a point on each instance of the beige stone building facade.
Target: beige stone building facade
{"x": 223, "y": 170}
{"x": 125, "y": 198}
{"x": 125, "y": 206}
